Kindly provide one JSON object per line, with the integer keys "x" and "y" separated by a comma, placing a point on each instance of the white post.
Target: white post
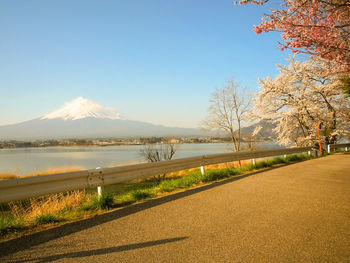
{"x": 99, "y": 188}
{"x": 329, "y": 148}
{"x": 99, "y": 191}
{"x": 253, "y": 162}
{"x": 309, "y": 153}
{"x": 202, "y": 170}
{"x": 285, "y": 156}
{"x": 346, "y": 148}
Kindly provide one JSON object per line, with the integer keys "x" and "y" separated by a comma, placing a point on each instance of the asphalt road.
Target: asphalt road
{"x": 295, "y": 213}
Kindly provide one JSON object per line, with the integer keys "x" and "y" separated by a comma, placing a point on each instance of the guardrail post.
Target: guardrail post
{"x": 99, "y": 191}
{"x": 95, "y": 179}
{"x": 99, "y": 188}
{"x": 329, "y": 148}
{"x": 253, "y": 161}
{"x": 202, "y": 170}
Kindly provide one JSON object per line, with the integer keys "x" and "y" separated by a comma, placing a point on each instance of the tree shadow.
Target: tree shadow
{"x": 25, "y": 242}
{"x": 103, "y": 251}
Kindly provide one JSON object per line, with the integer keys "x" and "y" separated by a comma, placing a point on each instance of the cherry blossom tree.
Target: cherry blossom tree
{"x": 315, "y": 27}
{"x": 301, "y": 95}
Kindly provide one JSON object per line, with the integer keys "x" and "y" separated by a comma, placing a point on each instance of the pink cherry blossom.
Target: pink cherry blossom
{"x": 315, "y": 27}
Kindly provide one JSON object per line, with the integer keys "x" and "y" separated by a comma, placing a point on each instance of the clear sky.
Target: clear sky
{"x": 156, "y": 60}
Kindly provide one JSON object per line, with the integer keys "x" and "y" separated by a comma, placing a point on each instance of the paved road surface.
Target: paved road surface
{"x": 296, "y": 213}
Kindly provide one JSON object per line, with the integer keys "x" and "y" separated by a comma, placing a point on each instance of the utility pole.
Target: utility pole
{"x": 318, "y": 135}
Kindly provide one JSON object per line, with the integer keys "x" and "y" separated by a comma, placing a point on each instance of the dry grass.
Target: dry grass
{"x": 123, "y": 164}
{"x": 51, "y": 204}
{"x": 7, "y": 176}
{"x": 56, "y": 170}
{"x": 234, "y": 164}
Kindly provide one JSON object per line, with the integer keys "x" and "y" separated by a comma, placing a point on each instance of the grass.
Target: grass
{"x": 188, "y": 180}
{"x": 105, "y": 201}
{"x": 7, "y": 176}
{"x": 28, "y": 214}
{"x": 11, "y": 224}
{"x": 54, "y": 170}
{"x": 142, "y": 194}
{"x": 47, "y": 219}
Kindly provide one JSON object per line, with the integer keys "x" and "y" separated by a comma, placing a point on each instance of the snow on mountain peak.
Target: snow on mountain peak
{"x": 81, "y": 108}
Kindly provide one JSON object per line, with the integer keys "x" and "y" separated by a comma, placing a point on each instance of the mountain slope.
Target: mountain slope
{"x": 81, "y": 108}
{"x": 88, "y": 128}
{"x": 83, "y": 118}
{"x": 264, "y": 133}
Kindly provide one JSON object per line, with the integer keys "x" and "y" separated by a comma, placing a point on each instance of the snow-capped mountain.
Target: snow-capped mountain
{"x": 82, "y": 118}
{"x": 81, "y": 108}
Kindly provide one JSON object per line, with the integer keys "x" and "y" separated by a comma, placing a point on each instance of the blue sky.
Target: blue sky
{"x": 155, "y": 61}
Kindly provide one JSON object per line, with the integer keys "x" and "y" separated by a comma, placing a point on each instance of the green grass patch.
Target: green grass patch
{"x": 10, "y": 224}
{"x": 105, "y": 201}
{"x": 219, "y": 174}
{"x": 47, "y": 219}
{"x": 275, "y": 161}
{"x": 137, "y": 195}
{"x": 298, "y": 157}
{"x": 186, "y": 181}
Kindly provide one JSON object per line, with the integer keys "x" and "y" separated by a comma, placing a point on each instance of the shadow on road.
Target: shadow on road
{"x": 25, "y": 242}
{"x": 103, "y": 251}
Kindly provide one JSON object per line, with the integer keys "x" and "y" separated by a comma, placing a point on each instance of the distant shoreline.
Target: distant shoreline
{"x": 20, "y": 144}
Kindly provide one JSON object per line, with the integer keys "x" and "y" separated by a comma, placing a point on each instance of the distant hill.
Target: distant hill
{"x": 265, "y": 132}
{"x": 82, "y": 118}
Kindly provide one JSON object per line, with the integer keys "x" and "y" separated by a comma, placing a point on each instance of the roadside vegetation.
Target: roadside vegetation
{"x": 17, "y": 218}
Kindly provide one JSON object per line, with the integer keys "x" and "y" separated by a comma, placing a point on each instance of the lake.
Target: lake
{"x": 23, "y": 161}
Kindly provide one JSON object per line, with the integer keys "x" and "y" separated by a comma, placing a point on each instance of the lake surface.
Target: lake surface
{"x": 22, "y": 161}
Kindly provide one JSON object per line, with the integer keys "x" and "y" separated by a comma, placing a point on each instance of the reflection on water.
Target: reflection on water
{"x": 24, "y": 161}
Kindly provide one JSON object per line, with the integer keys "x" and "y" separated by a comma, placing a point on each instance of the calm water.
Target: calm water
{"x": 23, "y": 161}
